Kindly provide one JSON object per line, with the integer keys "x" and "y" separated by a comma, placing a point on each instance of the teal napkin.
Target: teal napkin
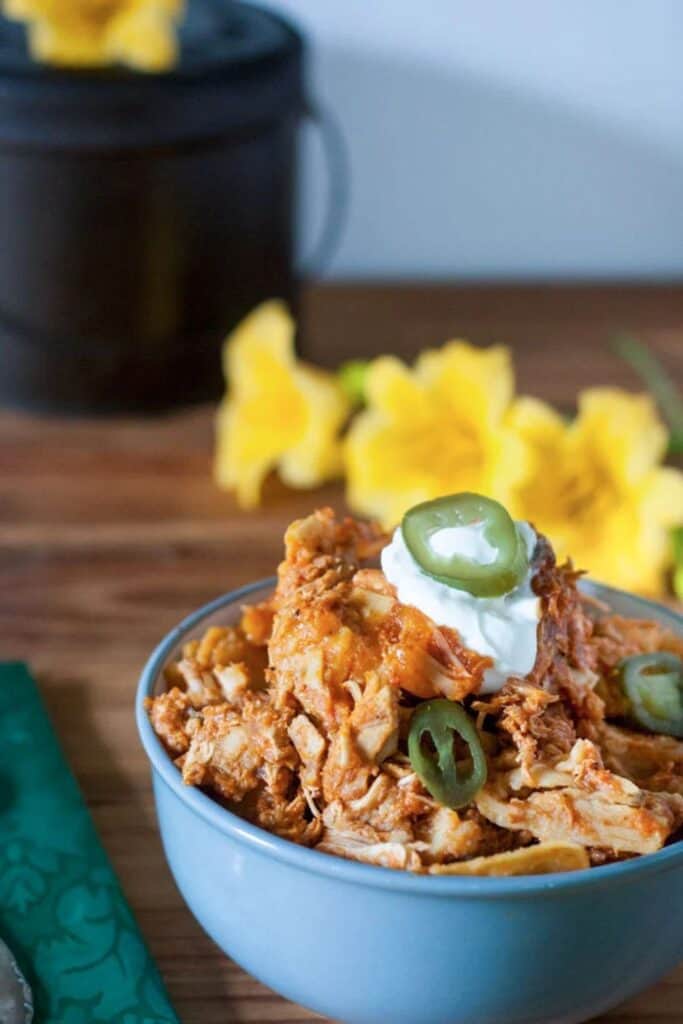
{"x": 62, "y": 910}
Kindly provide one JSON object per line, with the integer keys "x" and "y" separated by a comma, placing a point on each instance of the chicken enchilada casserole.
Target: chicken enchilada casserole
{"x": 459, "y": 708}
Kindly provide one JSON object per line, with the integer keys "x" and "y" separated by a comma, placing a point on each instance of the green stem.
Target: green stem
{"x": 658, "y": 381}
{"x": 677, "y": 544}
{"x": 353, "y": 377}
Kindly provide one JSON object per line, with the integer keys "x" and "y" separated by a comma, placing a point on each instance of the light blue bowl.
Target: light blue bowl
{"x": 367, "y": 945}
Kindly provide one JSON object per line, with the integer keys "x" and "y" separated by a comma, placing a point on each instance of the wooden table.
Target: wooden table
{"x": 111, "y": 530}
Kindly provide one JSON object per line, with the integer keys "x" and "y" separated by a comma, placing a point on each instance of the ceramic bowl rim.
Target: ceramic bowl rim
{"x": 313, "y": 861}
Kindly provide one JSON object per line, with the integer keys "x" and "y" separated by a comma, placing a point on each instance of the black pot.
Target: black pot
{"x": 142, "y": 215}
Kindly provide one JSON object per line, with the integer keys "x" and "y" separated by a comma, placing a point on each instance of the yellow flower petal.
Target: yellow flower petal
{"x": 316, "y": 456}
{"x": 381, "y": 481}
{"x": 82, "y": 33}
{"x": 278, "y": 413}
{"x": 536, "y": 421}
{"x": 392, "y": 389}
{"x": 260, "y": 346}
{"x": 630, "y": 551}
{"x": 235, "y": 467}
{"x": 623, "y": 431}
{"x": 143, "y": 38}
{"x": 432, "y": 430}
{"x": 53, "y": 44}
{"x": 663, "y": 500}
{"x": 474, "y": 381}
{"x": 597, "y": 489}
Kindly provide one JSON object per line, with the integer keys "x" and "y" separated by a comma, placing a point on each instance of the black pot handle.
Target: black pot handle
{"x": 337, "y": 161}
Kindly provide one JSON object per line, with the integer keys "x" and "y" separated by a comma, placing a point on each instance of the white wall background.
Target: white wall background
{"x": 502, "y": 138}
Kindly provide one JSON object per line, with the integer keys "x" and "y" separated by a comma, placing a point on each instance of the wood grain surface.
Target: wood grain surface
{"x": 111, "y": 530}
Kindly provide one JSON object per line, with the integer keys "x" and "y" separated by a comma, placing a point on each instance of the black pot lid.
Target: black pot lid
{"x": 239, "y": 65}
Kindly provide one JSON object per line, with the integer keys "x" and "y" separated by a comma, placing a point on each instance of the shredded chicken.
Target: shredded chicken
{"x": 297, "y": 719}
{"x": 169, "y": 714}
{"x": 652, "y": 762}
{"x": 573, "y": 816}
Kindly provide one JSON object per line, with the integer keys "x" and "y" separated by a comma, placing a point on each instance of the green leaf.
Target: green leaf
{"x": 353, "y": 378}
{"x": 662, "y": 387}
{"x": 677, "y": 544}
{"x": 676, "y": 443}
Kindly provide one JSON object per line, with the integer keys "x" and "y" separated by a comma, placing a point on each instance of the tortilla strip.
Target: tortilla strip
{"x": 542, "y": 859}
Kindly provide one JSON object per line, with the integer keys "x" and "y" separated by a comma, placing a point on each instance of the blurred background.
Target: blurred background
{"x": 215, "y": 219}
{"x": 166, "y": 166}
{"x": 492, "y": 140}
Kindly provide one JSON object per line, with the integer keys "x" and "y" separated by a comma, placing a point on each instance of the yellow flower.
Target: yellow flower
{"x": 88, "y": 33}
{"x": 278, "y": 413}
{"x": 438, "y": 428}
{"x": 598, "y": 489}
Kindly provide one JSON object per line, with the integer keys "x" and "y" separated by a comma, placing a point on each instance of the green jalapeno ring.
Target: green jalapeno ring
{"x": 492, "y": 579}
{"x": 653, "y": 686}
{"x": 440, "y": 720}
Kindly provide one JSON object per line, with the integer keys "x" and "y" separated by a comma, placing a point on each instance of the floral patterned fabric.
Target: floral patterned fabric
{"x": 62, "y": 910}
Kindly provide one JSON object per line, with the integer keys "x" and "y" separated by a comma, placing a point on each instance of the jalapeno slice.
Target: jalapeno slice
{"x": 653, "y": 686}
{"x": 434, "y": 533}
{"x": 438, "y": 769}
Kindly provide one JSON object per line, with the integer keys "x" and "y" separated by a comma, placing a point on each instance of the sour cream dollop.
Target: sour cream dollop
{"x": 502, "y": 628}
